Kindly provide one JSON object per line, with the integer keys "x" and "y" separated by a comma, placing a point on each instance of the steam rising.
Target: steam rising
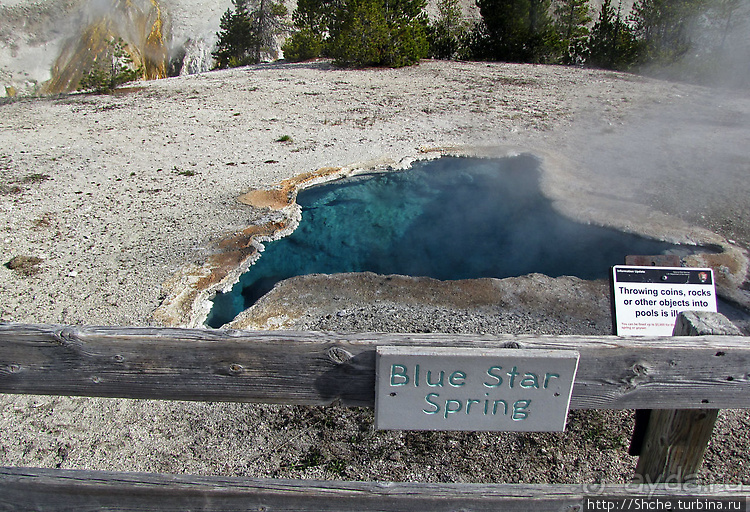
{"x": 720, "y": 51}
{"x": 452, "y": 218}
{"x": 141, "y": 24}
{"x": 724, "y": 44}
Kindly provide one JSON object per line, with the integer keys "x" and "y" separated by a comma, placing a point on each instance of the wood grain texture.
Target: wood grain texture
{"x": 675, "y": 440}
{"x": 23, "y": 489}
{"x": 291, "y": 367}
{"x": 674, "y": 444}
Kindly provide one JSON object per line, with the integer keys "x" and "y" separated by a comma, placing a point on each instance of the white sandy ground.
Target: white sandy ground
{"x": 139, "y": 183}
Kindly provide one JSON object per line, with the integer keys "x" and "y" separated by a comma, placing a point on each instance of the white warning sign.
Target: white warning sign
{"x": 647, "y": 300}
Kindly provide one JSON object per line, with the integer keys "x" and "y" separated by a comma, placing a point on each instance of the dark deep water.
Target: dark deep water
{"x": 451, "y": 218}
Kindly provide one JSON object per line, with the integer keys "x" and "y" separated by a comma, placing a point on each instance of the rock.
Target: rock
{"x": 25, "y": 265}
{"x": 534, "y": 304}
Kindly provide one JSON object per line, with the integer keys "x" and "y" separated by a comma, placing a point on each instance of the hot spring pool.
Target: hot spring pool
{"x": 451, "y": 218}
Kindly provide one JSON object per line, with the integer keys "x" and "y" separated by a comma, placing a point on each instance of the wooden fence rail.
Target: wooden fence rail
{"x": 50, "y": 489}
{"x": 701, "y": 373}
{"x": 313, "y": 368}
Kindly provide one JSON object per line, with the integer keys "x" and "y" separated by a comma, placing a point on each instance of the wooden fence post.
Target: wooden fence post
{"x": 675, "y": 440}
{"x": 642, "y": 415}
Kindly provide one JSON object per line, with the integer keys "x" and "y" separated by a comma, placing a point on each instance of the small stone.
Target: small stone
{"x": 24, "y": 265}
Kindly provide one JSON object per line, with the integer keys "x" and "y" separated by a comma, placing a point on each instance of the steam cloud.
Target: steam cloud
{"x": 719, "y": 53}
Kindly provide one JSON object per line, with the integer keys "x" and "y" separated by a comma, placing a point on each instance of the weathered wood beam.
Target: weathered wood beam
{"x": 291, "y": 367}
{"x": 24, "y": 489}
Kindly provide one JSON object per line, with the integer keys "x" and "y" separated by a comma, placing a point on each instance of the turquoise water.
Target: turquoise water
{"x": 451, "y": 218}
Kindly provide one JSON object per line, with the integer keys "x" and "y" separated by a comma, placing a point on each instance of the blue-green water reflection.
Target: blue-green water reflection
{"x": 452, "y": 218}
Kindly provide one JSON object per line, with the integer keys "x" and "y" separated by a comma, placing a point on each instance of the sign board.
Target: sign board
{"x": 473, "y": 389}
{"x": 647, "y": 300}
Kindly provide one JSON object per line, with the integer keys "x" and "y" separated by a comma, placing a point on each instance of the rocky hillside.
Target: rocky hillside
{"x": 43, "y": 45}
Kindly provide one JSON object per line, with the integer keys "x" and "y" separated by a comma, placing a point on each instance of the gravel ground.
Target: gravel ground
{"x": 116, "y": 194}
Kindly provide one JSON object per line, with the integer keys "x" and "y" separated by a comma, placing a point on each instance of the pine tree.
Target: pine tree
{"x": 245, "y": 34}
{"x": 378, "y": 33}
{"x": 611, "y": 44}
{"x": 725, "y": 13}
{"x": 114, "y": 69}
{"x": 315, "y": 15}
{"x": 447, "y": 34}
{"x": 304, "y": 44}
{"x": 726, "y": 60}
{"x": 665, "y": 28}
{"x": 519, "y": 30}
{"x": 705, "y": 42}
{"x": 236, "y": 37}
{"x": 311, "y": 20}
{"x": 572, "y": 18}
{"x": 268, "y": 23}
{"x": 359, "y": 33}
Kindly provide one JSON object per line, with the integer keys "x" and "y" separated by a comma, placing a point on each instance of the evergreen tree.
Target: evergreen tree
{"x": 572, "y": 18}
{"x": 726, "y": 56}
{"x": 268, "y": 23}
{"x": 519, "y": 30}
{"x": 477, "y": 43}
{"x": 114, "y": 69}
{"x": 703, "y": 41}
{"x": 237, "y": 38}
{"x": 304, "y": 44}
{"x": 665, "y": 27}
{"x": 311, "y": 20}
{"x": 315, "y": 15}
{"x": 378, "y": 33}
{"x": 245, "y": 34}
{"x": 611, "y": 43}
{"x": 359, "y": 33}
{"x": 448, "y": 33}
{"x": 724, "y": 12}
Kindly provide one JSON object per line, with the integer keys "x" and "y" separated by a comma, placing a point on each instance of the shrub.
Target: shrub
{"x": 303, "y": 45}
